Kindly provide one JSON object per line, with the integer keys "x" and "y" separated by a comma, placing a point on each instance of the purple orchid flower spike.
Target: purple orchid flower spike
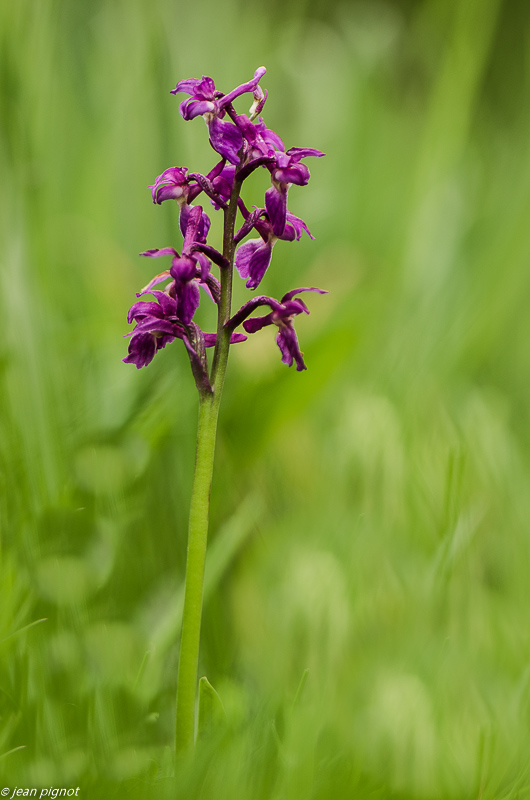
{"x": 286, "y": 171}
{"x": 282, "y": 314}
{"x": 253, "y": 257}
{"x": 225, "y": 137}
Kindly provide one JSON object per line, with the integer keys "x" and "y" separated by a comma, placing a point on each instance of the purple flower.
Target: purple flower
{"x": 244, "y": 144}
{"x": 206, "y": 101}
{"x": 259, "y": 140}
{"x": 157, "y": 324}
{"x": 286, "y": 171}
{"x": 187, "y": 276}
{"x": 282, "y": 315}
{"x": 188, "y": 270}
{"x": 173, "y": 184}
{"x": 253, "y": 257}
{"x": 223, "y": 184}
{"x": 203, "y": 227}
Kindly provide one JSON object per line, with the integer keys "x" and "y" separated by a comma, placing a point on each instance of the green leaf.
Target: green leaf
{"x": 300, "y": 689}
{"x": 211, "y": 709}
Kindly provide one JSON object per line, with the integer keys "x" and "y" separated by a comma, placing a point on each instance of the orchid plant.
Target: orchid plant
{"x": 244, "y": 144}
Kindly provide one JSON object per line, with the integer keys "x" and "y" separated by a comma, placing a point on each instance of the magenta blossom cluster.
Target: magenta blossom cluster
{"x": 244, "y": 144}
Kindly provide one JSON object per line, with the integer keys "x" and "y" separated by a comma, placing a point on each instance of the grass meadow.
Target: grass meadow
{"x": 367, "y": 617}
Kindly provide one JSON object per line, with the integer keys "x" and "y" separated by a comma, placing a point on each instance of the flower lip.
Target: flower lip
{"x": 297, "y": 173}
{"x": 252, "y": 261}
{"x": 196, "y": 108}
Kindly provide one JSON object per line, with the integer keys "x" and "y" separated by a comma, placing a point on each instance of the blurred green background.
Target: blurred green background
{"x": 370, "y": 517}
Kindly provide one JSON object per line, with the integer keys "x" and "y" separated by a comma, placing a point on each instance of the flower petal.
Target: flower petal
{"x": 244, "y": 254}
{"x": 293, "y": 292}
{"x": 258, "y": 265}
{"x": 287, "y": 341}
{"x": 157, "y": 279}
{"x": 188, "y": 299}
{"x": 269, "y": 136}
{"x": 211, "y": 338}
{"x": 253, "y": 324}
{"x": 203, "y": 262}
{"x": 192, "y": 226}
{"x": 204, "y": 224}
{"x": 142, "y": 309}
{"x": 252, "y": 260}
{"x": 237, "y": 337}
{"x": 297, "y": 153}
{"x": 156, "y": 325}
{"x": 164, "y": 251}
{"x": 295, "y": 173}
{"x": 224, "y": 182}
{"x": 183, "y": 269}
{"x": 204, "y": 86}
{"x": 167, "y": 304}
{"x": 168, "y": 191}
{"x": 142, "y": 349}
{"x": 243, "y": 88}
{"x": 294, "y": 226}
{"x": 196, "y": 108}
{"x": 225, "y": 138}
{"x": 172, "y": 184}
{"x": 276, "y": 205}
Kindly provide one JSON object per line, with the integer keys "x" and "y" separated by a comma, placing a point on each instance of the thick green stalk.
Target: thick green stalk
{"x": 200, "y": 500}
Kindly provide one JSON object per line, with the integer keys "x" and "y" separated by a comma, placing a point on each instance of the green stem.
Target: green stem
{"x": 197, "y": 540}
{"x": 200, "y": 500}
